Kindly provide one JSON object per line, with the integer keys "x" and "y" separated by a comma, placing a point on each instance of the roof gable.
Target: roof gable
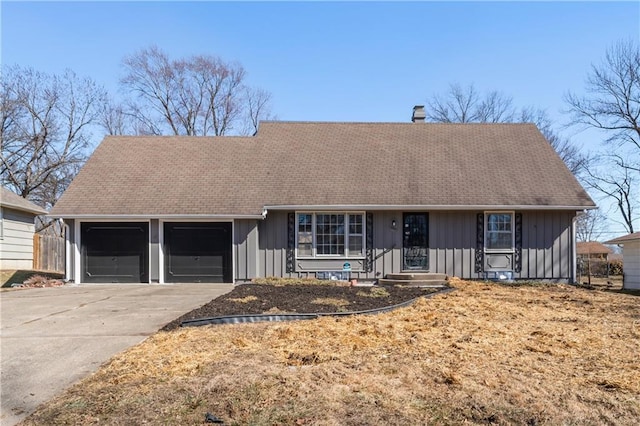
{"x": 327, "y": 164}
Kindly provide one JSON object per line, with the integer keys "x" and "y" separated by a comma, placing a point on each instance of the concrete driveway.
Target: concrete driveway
{"x": 52, "y": 337}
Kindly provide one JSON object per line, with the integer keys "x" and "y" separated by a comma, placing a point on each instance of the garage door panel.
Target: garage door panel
{"x": 197, "y": 252}
{"x": 115, "y": 252}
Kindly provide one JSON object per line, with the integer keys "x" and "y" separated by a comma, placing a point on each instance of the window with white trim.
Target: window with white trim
{"x": 498, "y": 231}
{"x": 330, "y": 234}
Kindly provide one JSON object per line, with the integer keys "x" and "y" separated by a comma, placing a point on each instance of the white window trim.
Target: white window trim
{"x": 314, "y": 253}
{"x": 512, "y": 249}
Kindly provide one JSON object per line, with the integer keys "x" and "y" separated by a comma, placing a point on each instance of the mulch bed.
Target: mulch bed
{"x": 254, "y": 299}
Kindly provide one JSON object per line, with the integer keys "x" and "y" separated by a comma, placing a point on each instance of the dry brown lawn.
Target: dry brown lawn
{"x": 486, "y": 353}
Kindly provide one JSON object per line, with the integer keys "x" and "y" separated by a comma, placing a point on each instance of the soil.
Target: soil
{"x": 246, "y": 299}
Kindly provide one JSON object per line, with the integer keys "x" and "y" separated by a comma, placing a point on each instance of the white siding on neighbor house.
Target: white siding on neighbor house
{"x": 16, "y": 244}
{"x": 631, "y": 259}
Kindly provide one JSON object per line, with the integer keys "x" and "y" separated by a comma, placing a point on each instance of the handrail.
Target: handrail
{"x": 385, "y": 251}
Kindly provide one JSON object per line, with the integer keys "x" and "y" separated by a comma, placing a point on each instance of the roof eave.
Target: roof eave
{"x": 35, "y": 211}
{"x": 154, "y": 216}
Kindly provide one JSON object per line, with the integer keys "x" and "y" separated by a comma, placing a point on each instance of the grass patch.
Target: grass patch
{"x": 246, "y": 299}
{"x": 330, "y": 301}
{"x": 277, "y": 281}
{"x": 8, "y": 277}
{"x": 485, "y": 353}
{"x": 374, "y": 292}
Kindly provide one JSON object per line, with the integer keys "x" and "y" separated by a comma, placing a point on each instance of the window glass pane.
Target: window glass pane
{"x": 355, "y": 224}
{"x": 355, "y": 246}
{"x": 499, "y": 231}
{"x": 330, "y": 234}
{"x": 305, "y": 235}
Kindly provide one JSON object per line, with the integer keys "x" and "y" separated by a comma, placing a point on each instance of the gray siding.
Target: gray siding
{"x": 272, "y": 259}
{"x": 154, "y": 250}
{"x": 245, "y": 249}
{"x": 452, "y": 243}
{"x": 547, "y": 246}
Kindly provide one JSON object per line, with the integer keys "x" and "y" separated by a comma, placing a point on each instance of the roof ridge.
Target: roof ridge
{"x": 390, "y": 122}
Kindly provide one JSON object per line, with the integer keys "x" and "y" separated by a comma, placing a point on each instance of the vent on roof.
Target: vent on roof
{"x": 418, "y": 115}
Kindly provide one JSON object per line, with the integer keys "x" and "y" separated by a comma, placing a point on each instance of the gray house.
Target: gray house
{"x": 17, "y": 217}
{"x": 304, "y": 199}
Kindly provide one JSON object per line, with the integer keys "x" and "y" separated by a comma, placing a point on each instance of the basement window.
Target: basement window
{"x": 498, "y": 231}
{"x": 330, "y": 234}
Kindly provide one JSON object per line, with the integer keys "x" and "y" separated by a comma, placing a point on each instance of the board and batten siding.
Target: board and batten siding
{"x": 272, "y": 257}
{"x": 547, "y": 246}
{"x": 16, "y": 244}
{"x": 631, "y": 260}
{"x": 245, "y": 249}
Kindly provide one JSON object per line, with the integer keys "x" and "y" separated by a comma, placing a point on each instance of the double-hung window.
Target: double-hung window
{"x": 330, "y": 234}
{"x": 498, "y": 231}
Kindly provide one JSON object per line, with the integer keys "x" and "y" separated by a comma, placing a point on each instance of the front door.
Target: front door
{"x": 415, "y": 244}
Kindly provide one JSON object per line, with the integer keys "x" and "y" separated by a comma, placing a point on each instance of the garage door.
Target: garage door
{"x": 115, "y": 252}
{"x": 197, "y": 252}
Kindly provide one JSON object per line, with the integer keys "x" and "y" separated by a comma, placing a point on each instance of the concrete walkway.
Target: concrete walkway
{"x": 52, "y": 337}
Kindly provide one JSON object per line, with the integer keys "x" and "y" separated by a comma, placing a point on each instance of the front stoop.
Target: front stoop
{"x": 415, "y": 279}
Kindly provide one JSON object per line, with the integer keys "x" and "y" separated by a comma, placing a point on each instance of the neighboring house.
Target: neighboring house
{"x": 17, "y": 216}
{"x": 631, "y": 258}
{"x": 303, "y": 199}
{"x": 593, "y": 258}
{"x": 593, "y": 250}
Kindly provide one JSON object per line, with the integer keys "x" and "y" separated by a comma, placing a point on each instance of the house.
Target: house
{"x": 305, "y": 199}
{"x": 593, "y": 250}
{"x": 17, "y": 217}
{"x": 631, "y": 258}
{"x": 593, "y": 258}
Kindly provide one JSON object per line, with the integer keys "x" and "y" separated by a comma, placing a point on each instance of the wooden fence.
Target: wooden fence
{"x": 48, "y": 253}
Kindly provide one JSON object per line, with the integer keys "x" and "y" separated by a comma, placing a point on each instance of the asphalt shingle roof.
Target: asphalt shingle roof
{"x": 16, "y": 202}
{"x": 328, "y": 164}
{"x": 592, "y": 247}
{"x": 629, "y": 237}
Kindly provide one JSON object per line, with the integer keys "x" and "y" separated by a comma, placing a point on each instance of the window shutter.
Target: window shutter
{"x": 291, "y": 242}
{"x": 368, "y": 262}
{"x": 479, "y": 242}
{"x": 518, "y": 243}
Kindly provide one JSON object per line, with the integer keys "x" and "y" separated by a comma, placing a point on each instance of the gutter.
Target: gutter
{"x": 419, "y": 207}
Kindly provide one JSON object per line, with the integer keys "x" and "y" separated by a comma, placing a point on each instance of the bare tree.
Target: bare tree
{"x": 200, "y": 95}
{"x": 614, "y": 180}
{"x": 44, "y": 130}
{"x": 258, "y": 108}
{"x": 612, "y": 103}
{"x": 466, "y": 105}
{"x": 590, "y": 225}
{"x": 612, "y": 106}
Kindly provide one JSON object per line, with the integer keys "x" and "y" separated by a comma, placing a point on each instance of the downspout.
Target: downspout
{"x": 574, "y": 255}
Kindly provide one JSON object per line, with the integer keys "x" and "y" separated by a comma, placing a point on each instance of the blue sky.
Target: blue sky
{"x": 338, "y": 61}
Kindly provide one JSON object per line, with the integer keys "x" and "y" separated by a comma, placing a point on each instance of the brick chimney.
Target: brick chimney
{"x": 418, "y": 115}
